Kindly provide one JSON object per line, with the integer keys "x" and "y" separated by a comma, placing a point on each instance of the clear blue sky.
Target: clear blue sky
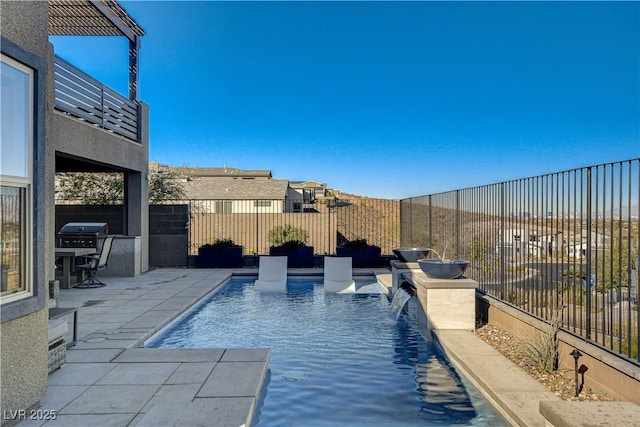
{"x": 383, "y": 99}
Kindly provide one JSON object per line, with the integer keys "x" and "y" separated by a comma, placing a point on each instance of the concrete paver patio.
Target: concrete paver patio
{"x": 110, "y": 380}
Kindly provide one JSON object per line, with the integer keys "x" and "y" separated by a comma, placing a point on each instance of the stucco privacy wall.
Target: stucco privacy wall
{"x": 24, "y": 328}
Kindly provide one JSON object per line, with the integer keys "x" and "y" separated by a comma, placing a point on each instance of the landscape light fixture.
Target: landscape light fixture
{"x": 576, "y": 355}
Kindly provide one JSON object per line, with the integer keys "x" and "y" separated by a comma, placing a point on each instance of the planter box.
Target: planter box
{"x": 365, "y": 257}
{"x": 220, "y": 258}
{"x": 297, "y": 258}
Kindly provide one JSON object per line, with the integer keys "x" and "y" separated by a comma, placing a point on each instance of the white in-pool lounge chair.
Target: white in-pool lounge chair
{"x": 338, "y": 275}
{"x": 272, "y": 274}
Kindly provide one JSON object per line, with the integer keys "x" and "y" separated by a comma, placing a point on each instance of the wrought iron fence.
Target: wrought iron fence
{"x": 325, "y": 223}
{"x": 562, "y": 246}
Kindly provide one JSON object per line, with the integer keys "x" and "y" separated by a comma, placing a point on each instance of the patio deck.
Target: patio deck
{"x": 109, "y": 380}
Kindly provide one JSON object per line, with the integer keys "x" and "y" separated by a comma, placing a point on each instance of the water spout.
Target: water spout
{"x": 400, "y": 298}
{"x": 409, "y": 288}
{"x": 440, "y": 257}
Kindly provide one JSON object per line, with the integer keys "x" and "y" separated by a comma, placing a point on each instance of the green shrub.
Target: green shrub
{"x": 221, "y": 243}
{"x": 292, "y": 244}
{"x": 280, "y": 234}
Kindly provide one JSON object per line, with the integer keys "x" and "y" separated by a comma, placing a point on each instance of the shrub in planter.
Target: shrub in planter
{"x": 287, "y": 234}
{"x": 222, "y": 253}
{"x": 298, "y": 254}
{"x": 362, "y": 253}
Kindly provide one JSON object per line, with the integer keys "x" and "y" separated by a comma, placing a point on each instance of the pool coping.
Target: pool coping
{"x": 512, "y": 392}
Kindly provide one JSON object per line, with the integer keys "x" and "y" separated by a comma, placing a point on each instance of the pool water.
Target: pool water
{"x": 336, "y": 359}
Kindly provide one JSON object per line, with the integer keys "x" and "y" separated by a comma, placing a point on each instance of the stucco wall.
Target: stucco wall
{"x": 27, "y": 24}
{"x": 71, "y": 136}
{"x": 24, "y": 362}
{"x": 23, "y": 335}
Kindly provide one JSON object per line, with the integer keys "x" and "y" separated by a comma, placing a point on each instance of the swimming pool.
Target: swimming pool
{"x": 336, "y": 359}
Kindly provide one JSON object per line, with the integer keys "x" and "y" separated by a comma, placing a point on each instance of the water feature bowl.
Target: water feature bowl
{"x": 437, "y": 269}
{"x": 411, "y": 254}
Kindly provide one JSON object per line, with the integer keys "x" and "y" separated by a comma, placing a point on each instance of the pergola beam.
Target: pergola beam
{"x": 98, "y": 18}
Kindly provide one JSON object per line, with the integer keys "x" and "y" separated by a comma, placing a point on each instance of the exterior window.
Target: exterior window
{"x": 223, "y": 206}
{"x": 262, "y": 203}
{"x": 16, "y": 179}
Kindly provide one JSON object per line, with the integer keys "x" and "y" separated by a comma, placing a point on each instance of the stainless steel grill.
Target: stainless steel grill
{"x": 83, "y": 235}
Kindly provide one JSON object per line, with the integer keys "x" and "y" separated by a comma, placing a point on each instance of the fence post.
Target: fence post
{"x": 502, "y": 233}
{"x": 189, "y": 226}
{"x": 457, "y": 223}
{"x": 257, "y": 250}
{"x": 329, "y": 226}
{"x": 411, "y": 222}
{"x": 589, "y": 243}
{"x": 430, "y": 224}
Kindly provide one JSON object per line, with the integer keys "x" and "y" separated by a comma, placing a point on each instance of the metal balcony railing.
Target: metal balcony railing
{"x": 86, "y": 99}
{"x": 563, "y": 246}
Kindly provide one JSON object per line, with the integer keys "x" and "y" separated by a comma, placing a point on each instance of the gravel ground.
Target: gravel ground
{"x": 561, "y": 382}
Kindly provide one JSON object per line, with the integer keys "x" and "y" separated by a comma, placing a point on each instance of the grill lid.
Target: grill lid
{"x": 85, "y": 227}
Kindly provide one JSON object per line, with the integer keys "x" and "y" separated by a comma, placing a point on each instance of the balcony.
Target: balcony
{"x": 85, "y": 98}
{"x": 78, "y": 94}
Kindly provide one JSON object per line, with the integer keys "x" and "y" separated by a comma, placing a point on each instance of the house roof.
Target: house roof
{"x": 91, "y": 18}
{"x": 224, "y": 172}
{"x": 309, "y": 183}
{"x": 236, "y": 189}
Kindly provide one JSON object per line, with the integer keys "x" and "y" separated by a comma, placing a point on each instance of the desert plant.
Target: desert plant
{"x": 541, "y": 347}
{"x": 287, "y": 233}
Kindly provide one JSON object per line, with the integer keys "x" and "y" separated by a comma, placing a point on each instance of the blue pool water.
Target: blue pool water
{"x": 336, "y": 360}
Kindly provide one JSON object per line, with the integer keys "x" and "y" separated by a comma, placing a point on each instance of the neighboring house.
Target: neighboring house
{"x": 597, "y": 239}
{"x": 532, "y": 242}
{"x": 216, "y": 173}
{"x": 577, "y": 250}
{"x": 243, "y": 196}
{"x": 54, "y": 121}
{"x": 312, "y": 190}
{"x": 233, "y": 190}
{"x": 529, "y": 242}
{"x": 515, "y": 242}
{"x": 579, "y": 243}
